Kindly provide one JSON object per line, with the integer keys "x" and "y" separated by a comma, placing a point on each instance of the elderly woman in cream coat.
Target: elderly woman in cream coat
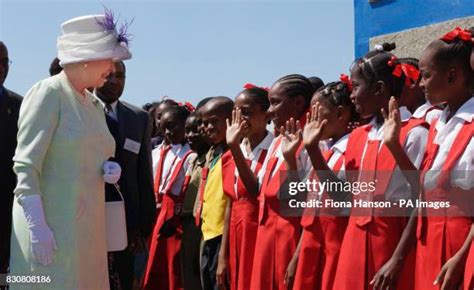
{"x": 58, "y": 236}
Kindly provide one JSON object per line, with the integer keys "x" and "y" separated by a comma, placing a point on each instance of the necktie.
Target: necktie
{"x": 159, "y": 169}
{"x": 367, "y": 174}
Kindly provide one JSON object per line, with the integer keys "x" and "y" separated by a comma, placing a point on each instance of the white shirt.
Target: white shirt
{"x": 339, "y": 148}
{"x": 420, "y": 113}
{"x": 415, "y": 146}
{"x": 462, "y": 175}
{"x": 255, "y": 154}
{"x": 302, "y": 161}
{"x": 172, "y": 158}
{"x": 113, "y": 112}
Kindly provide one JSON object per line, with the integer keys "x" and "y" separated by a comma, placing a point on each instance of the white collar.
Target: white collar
{"x": 341, "y": 144}
{"x": 465, "y": 112}
{"x": 263, "y": 145}
{"x": 420, "y": 112}
{"x": 405, "y": 115}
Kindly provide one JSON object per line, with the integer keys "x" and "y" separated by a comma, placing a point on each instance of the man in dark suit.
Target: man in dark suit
{"x": 9, "y": 109}
{"x": 131, "y": 128}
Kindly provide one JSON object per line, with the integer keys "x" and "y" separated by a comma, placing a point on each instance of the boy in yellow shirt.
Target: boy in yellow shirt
{"x": 211, "y": 198}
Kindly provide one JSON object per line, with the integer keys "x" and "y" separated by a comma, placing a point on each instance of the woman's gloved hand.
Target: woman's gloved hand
{"x": 41, "y": 237}
{"x": 112, "y": 172}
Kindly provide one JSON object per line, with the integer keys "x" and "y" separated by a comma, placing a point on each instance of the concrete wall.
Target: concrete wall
{"x": 384, "y": 17}
{"x": 411, "y": 42}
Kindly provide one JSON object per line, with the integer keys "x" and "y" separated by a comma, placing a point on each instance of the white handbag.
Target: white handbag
{"x": 116, "y": 224}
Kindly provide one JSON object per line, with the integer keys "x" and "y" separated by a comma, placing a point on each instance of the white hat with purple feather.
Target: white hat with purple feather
{"x": 93, "y": 37}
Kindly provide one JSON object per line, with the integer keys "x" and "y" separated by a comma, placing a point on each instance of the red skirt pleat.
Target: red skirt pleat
{"x": 163, "y": 271}
{"x": 444, "y": 236}
{"x": 319, "y": 253}
{"x": 242, "y": 237}
{"x": 277, "y": 238}
{"x": 365, "y": 249}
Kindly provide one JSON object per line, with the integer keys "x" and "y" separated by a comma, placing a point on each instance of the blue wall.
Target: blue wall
{"x": 387, "y": 16}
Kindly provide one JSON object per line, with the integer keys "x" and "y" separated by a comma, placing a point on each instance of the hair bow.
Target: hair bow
{"x": 188, "y": 106}
{"x": 457, "y": 33}
{"x": 345, "y": 79}
{"x": 411, "y": 73}
{"x": 397, "y": 70}
{"x": 252, "y": 86}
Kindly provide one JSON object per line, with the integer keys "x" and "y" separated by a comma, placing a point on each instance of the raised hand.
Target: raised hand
{"x": 234, "y": 128}
{"x": 291, "y": 138}
{"x": 314, "y": 128}
{"x": 392, "y": 123}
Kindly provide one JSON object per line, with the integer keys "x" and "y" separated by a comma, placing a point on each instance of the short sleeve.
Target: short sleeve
{"x": 415, "y": 144}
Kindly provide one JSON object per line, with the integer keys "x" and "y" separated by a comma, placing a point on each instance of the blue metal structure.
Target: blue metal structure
{"x": 378, "y": 17}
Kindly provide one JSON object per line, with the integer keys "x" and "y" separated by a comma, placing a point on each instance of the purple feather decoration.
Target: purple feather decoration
{"x": 123, "y": 35}
{"x": 110, "y": 23}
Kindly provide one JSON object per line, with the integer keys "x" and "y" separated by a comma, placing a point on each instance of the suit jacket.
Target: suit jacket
{"x": 9, "y": 110}
{"x": 136, "y": 182}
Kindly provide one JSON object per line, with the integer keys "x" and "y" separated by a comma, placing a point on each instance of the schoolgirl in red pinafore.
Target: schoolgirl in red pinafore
{"x": 248, "y": 141}
{"x": 324, "y": 230}
{"x": 373, "y": 234}
{"x": 163, "y": 268}
{"x": 449, "y": 163}
{"x": 244, "y": 215}
{"x": 278, "y": 234}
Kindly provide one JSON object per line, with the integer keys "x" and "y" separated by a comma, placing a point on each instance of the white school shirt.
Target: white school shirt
{"x": 420, "y": 113}
{"x": 339, "y": 148}
{"x": 172, "y": 158}
{"x": 462, "y": 175}
{"x": 255, "y": 154}
{"x": 415, "y": 146}
{"x": 302, "y": 162}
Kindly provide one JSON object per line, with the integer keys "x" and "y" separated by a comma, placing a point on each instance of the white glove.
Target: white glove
{"x": 41, "y": 238}
{"x": 112, "y": 172}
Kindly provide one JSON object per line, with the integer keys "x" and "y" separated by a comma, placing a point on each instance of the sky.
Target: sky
{"x": 192, "y": 49}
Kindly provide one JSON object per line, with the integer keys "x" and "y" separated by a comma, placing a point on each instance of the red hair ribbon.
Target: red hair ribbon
{"x": 252, "y": 86}
{"x": 457, "y": 33}
{"x": 345, "y": 79}
{"x": 188, "y": 106}
{"x": 411, "y": 73}
{"x": 397, "y": 71}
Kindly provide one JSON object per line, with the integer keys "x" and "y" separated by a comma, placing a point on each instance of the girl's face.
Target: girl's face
{"x": 255, "y": 116}
{"x": 434, "y": 80}
{"x": 366, "y": 102}
{"x": 195, "y": 140}
{"x": 329, "y": 112}
{"x": 282, "y": 107}
{"x": 172, "y": 128}
{"x": 158, "y": 113}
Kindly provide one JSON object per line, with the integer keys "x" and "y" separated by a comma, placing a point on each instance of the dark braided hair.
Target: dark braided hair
{"x": 338, "y": 94}
{"x": 316, "y": 82}
{"x": 296, "y": 85}
{"x": 180, "y": 111}
{"x": 258, "y": 95}
{"x": 456, "y": 51}
{"x": 375, "y": 67}
{"x": 410, "y": 60}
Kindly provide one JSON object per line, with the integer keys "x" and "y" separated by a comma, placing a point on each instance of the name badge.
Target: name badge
{"x": 132, "y": 146}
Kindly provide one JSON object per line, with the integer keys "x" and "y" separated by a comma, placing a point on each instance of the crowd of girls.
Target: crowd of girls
{"x": 406, "y": 125}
